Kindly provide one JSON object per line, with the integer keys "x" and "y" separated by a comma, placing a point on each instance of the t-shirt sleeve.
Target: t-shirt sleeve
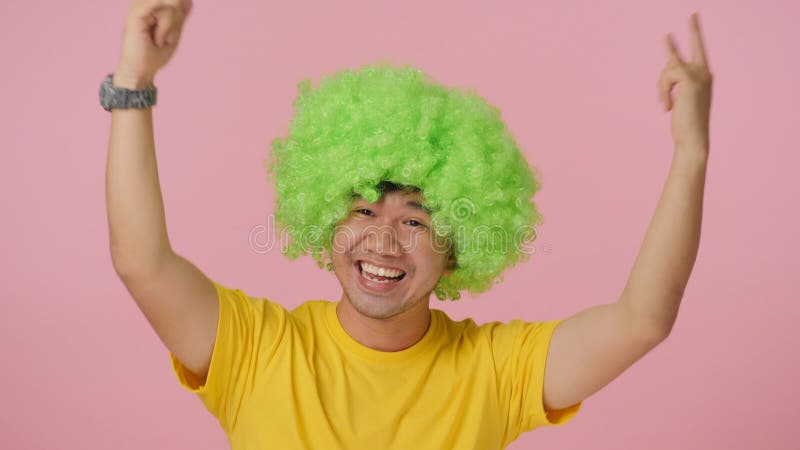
{"x": 520, "y": 353}
{"x": 248, "y": 333}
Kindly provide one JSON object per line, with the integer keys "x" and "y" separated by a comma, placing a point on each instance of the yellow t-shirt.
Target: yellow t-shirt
{"x": 297, "y": 380}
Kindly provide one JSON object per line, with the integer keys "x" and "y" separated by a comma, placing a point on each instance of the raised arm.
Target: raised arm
{"x": 592, "y": 348}
{"x": 178, "y": 300}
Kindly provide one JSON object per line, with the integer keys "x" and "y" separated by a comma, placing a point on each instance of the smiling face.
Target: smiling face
{"x": 387, "y": 257}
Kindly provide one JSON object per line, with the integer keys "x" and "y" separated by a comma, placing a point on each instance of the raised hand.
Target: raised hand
{"x": 692, "y": 104}
{"x": 152, "y": 32}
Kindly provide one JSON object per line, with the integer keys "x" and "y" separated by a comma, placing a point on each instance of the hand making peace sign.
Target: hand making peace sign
{"x": 692, "y": 105}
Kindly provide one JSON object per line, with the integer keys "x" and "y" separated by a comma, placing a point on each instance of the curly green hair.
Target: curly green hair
{"x": 360, "y": 128}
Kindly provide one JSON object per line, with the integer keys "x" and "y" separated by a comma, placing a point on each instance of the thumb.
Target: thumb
{"x": 670, "y": 76}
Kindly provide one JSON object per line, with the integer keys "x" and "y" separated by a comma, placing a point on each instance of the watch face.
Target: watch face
{"x": 109, "y": 96}
{"x": 105, "y": 93}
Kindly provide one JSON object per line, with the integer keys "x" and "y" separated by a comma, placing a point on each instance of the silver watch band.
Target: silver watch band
{"x": 118, "y": 97}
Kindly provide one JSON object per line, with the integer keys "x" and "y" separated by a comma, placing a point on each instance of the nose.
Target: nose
{"x": 382, "y": 239}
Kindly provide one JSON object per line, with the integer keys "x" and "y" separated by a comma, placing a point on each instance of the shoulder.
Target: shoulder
{"x": 310, "y": 308}
{"x": 498, "y": 333}
{"x": 310, "y": 314}
{"x": 492, "y": 329}
{"x": 450, "y": 326}
{"x": 238, "y": 302}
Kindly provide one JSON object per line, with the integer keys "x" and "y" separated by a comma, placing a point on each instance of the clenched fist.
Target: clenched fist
{"x": 152, "y": 32}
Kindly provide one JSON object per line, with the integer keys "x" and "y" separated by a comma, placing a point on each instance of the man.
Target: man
{"x": 398, "y": 176}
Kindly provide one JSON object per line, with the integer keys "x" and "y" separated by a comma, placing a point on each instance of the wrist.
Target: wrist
{"x": 695, "y": 144}
{"x": 118, "y": 91}
{"x": 123, "y": 80}
{"x": 694, "y": 155}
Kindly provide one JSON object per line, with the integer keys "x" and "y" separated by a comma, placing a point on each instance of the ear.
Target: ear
{"x": 451, "y": 263}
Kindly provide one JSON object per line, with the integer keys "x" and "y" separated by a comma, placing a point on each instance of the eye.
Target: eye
{"x": 364, "y": 211}
{"x": 415, "y": 223}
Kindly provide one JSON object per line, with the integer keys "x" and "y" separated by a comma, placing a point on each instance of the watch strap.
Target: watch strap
{"x": 122, "y": 98}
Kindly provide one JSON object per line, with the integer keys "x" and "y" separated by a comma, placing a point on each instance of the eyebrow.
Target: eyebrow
{"x": 418, "y": 205}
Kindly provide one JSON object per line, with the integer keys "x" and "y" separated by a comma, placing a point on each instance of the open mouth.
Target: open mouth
{"x": 379, "y": 274}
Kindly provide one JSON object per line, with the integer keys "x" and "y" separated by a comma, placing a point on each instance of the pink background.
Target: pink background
{"x": 576, "y": 82}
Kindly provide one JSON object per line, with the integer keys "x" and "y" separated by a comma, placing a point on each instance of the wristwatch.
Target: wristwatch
{"x": 118, "y": 97}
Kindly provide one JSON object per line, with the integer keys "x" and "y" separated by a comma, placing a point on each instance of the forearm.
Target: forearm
{"x": 661, "y": 272}
{"x": 137, "y": 227}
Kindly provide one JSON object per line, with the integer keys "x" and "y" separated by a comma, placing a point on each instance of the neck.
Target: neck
{"x": 396, "y": 333}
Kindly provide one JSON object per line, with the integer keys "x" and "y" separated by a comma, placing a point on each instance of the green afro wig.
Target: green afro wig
{"x": 360, "y": 128}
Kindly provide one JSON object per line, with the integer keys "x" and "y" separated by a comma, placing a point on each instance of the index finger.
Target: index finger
{"x": 698, "y": 49}
{"x": 672, "y": 48}
{"x": 186, "y": 6}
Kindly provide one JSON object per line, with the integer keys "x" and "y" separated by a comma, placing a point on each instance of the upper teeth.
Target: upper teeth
{"x": 375, "y": 270}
